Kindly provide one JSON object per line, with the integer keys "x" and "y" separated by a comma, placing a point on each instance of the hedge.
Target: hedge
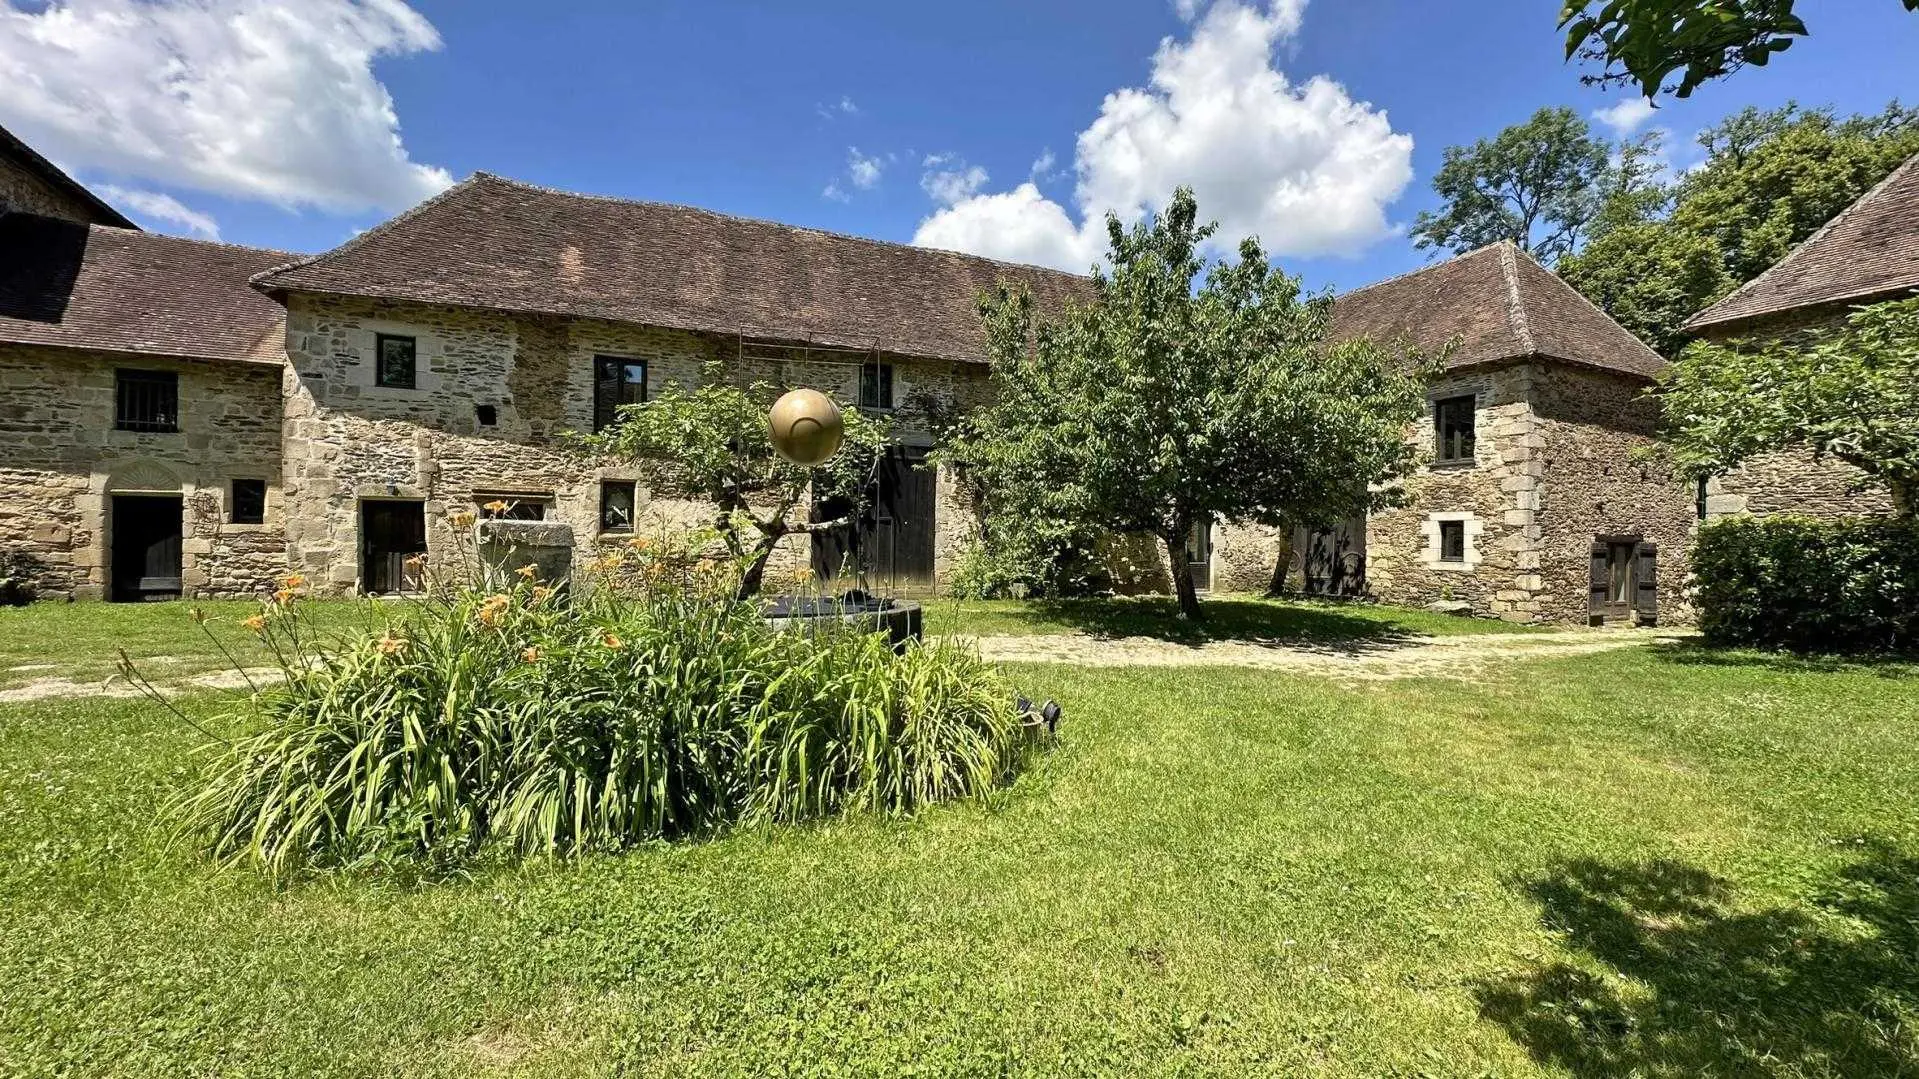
{"x": 1808, "y": 585}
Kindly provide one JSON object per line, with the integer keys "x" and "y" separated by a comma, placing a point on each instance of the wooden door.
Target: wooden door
{"x": 391, "y": 532}
{"x": 146, "y": 547}
{"x": 1625, "y": 580}
{"x": 891, "y": 546}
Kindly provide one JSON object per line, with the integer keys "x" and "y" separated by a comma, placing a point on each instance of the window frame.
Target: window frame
{"x": 882, "y": 376}
{"x": 632, "y": 488}
{"x": 607, "y": 413}
{"x": 1452, "y": 542}
{"x": 379, "y": 361}
{"x": 169, "y": 417}
{"x": 233, "y": 500}
{"x": 1444, "y": 449}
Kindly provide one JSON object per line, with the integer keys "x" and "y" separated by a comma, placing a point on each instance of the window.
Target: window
{"x": 393, "y": 361}
{"x": 249, "y": 503}
{"x": 1452, "y": 541}
{"x": 617, "y": 500}
{"x": 1453, "y": 426}
{"x": 876, "y": 385}
{"x": 616, "y": 381}
{"x": 486, "y": 415}
{"x": 510, "y": 507}
{"x": 147, "y": 401}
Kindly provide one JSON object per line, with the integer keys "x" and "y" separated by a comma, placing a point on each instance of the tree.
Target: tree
{"x": 1537, "y": 184}
{"x": 1158, "y": 405}
{"x": 1643, "y": 42}
{"x": 1850, "y": 393}
{"x": 710, "y": 443}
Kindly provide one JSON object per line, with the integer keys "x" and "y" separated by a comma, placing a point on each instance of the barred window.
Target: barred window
{"x": 394, "y": 361}
{"x": 147, "y": 401}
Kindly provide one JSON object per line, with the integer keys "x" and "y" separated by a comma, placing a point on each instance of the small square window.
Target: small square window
{"x": 394, "y": 361}
{"x": 876, "y": 385}
{"x": 486, "y": 415}
{"x": 618, "y": 498}
{"x": 249, "y": 503}
{"x": 1452, "y": 541}
{"x": 1453, "y": 430}
{"x": 146, "y": 400}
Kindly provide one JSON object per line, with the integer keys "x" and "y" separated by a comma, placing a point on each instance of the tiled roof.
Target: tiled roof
{"x": 1500, "y": 305}
{"x": 119, "y": 290}
{"x": 29, "y": 159}
{"x": 498, "y": 244}
{"x": 1870, "y": 250}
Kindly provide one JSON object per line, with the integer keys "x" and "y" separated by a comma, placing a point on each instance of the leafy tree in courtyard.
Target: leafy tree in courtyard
{"x": 1159, "y": 406}
{"x": 1537, "y": 184}
{"x": 710, "y": 444}
{"x": 1851, "y": 393}
{"x": 1644, "y": 42}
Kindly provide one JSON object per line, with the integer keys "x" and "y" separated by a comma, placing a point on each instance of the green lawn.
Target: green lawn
{"x": 1658, "y": 861}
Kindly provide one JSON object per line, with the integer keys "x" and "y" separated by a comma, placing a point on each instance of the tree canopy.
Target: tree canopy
{"x": 1537, "y": 184}
{"x": 1159, "y": 405}
{"x": 1850, "y": 393}
{"x": 710, "y": 443}
{"x": 1643, "y": 43}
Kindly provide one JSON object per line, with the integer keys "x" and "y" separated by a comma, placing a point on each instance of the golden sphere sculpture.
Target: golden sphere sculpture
{"x": 806, "y": 427}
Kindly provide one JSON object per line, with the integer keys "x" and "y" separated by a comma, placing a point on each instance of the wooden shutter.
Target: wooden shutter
{"x": 606, "y": 392}
{"x": 1646, "y": 585}
{"x": 1599, "y": 585}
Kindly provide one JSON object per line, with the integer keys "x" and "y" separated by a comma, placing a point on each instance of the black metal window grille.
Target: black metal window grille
{"x": 249, "y": 502}
{"x": 147, "y": 401}
{"x": 394, "y": 361}
{"x": 1453, "y": 426}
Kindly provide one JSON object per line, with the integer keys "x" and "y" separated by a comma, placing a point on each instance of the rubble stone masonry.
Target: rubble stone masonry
{"x": 25, "y": 192}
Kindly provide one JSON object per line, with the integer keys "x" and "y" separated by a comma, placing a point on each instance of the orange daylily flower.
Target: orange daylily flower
{"x": 531, "y": 655}
{"x": 498, "y": 505}
{"x": 612, "y": 641}
{"x": 257, "y": 623}
{"x": 390, "y": 645}
{"x": 528, "y": 571}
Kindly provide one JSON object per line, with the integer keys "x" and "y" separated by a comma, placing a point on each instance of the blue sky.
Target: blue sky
{"x": 869, "y": 117}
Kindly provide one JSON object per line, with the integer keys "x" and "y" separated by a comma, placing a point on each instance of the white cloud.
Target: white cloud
{"x": 273, "y": 100}
{"x": 835, "y": 192}
{"x": 1626, "y": 116}
{"x": 1304, "y": 167}
{"x": 948, "y": 186}
{"x": 1044, "y": 167}
{"x": 829, "y": 111}
{"x": 864, "y": 171}
{"x": 162, "y": 207}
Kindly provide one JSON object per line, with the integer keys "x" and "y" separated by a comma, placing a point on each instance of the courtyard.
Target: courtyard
{"x": 1644, "y": 858}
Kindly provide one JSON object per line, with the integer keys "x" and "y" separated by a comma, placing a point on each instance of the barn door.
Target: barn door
{"x": 892, "y": 545}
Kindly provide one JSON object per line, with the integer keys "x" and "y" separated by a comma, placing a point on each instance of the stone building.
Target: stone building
{"x": 1867, "y": 254}
{"x": 31, "y": 184}
{"x": 1541, "y": 497}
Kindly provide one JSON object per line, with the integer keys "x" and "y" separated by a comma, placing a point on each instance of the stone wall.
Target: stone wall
{"x": 23, "y": 190}
{"x": 1594, "y": 431}
{"x": 1791, "y": 480}
{"x": 349, "y": 440}
{"x": 65, "y": 460}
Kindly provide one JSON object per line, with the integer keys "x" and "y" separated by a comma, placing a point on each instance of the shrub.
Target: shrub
{"x": 657, "y": 707}
{"x": 1809, "y": 585}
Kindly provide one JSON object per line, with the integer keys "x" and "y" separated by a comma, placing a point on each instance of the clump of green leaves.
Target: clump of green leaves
{"x": 1809, "y": 585}
{"x": 653, "y": 706}
{"x": 1160, "y": 405}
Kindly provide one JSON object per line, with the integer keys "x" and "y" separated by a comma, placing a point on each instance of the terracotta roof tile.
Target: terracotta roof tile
{"x": 1500, "y": 305}
{"x": 498, "y": 244}
{"x": 120, "y": 290}
{"x": 1871, "y": 249}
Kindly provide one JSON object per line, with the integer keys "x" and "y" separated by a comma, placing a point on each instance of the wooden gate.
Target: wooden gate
{"x": 891, "y": 547}
{"x": 390, "y": 533}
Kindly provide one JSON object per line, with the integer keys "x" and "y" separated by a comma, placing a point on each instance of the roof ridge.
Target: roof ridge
{"x": 723, "y": 215}
{"x": 145, "y": 235}
{"x": 1515, "y": 304}
{"x": 1461, "y": 257}
{"x": 1566, "y": 286}
{"x": 258, "y": 281}
{"x": 1699, "y": 319}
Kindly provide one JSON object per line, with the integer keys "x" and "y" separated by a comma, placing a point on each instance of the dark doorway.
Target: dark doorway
{"x": 1625, "y": 580}
{"x": 1199, "y": 555}
{"x": 891, "y": 546}
{"x": 146, "y": 547}
{"x": 390, "y": 533}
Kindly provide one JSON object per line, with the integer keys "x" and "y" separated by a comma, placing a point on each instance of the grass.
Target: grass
{"x": 1227, "y": 618}
{"x": 1654, "y": 861}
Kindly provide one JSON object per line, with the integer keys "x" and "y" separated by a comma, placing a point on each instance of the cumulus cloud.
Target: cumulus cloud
{"x": 948, "y": 185}
{"x": 1044, "y": 167}
{"x": 273, "y": 100}
{"x": 1302, "y": 166}
{"x": 1625, "y": 117}
{"x": 162, "y": 207}
{"x": 862, "y": 169}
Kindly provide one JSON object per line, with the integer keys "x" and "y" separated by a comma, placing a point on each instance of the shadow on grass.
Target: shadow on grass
{"x": 1719, "y": 991}
{"x": 1697, "y": 653}
{"x": 1250, "y": 621}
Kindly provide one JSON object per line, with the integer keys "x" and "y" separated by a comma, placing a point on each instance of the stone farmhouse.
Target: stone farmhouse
{"x": 1867, "y": 254}
{"x": 192, "y": 418}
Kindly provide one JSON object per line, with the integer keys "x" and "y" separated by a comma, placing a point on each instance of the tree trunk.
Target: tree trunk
{"x": 752, "y": 580}
{"x": 1902, "y": 496}
{"x": 1282, "y": 563}
{"x": 1183, "y": 589}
